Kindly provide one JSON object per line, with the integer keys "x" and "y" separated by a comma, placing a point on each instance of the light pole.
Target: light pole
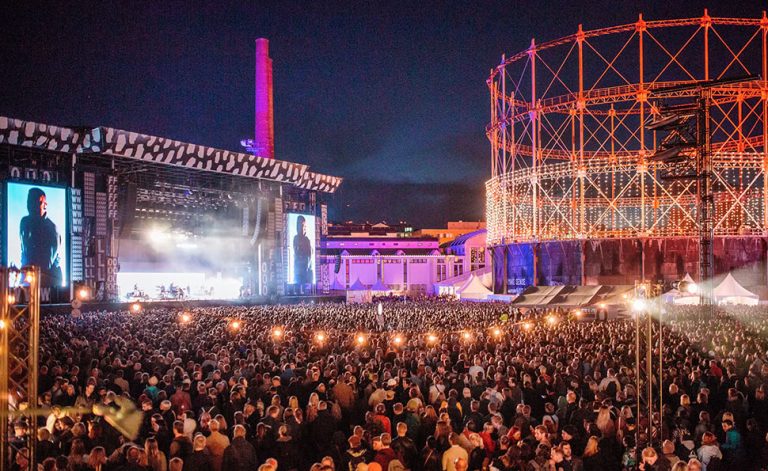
{"x": 646, "y": 302}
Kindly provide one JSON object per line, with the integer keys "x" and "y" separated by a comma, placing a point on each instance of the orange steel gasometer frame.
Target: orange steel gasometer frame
{"x": 569, "y": 145}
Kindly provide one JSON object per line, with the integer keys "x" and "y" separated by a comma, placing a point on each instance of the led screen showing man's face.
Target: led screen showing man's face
{"x": 301, "y": 248}
{"x": 36, "y": 230}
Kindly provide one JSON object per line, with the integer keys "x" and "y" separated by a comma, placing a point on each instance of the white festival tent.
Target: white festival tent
{"x": 451, "y": 286}
{"x": 674, "y": 296}
{"x": 358, "y": 293}
{"x": 729, "y": 291}
{"x": 379, "y": 287}
{"x": 337, "y": 286}
{"x": 473, "y": 289}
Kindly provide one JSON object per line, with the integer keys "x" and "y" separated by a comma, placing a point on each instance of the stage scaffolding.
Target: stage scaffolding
{"x": 19, "y": 350}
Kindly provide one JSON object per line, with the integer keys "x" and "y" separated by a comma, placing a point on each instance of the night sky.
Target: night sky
{"x": 389, "y": 95}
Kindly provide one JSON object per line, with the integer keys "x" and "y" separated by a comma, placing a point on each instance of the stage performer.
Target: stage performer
{"x": 302, "y": 254}
{"x": 40, "y": 239}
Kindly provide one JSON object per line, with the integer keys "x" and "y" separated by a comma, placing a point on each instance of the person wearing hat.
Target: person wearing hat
{"x": 570, "y": 434}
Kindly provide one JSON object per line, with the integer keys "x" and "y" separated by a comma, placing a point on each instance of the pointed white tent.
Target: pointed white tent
{"x": 357, "y": 286}
{"x": 337, "y": 286}
{"x": 675, "y": 296}
{"x": 451, "y": 286}
{"x": 729, "y": 291}
{"x": 358, "y": 293}
{"x": 379, "y": 287}
{"x": 473, "y": 289}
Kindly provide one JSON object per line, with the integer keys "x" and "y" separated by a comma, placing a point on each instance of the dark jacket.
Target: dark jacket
{"x": 287, "y": 454}
{"x": 322, "y": 430}
{"x": 406, "y": 451}
{"x": 239, "y": 456}
{"x": 198, "y": 461}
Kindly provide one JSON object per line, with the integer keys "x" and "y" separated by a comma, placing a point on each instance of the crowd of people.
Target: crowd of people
{"x": 426, "y": 385}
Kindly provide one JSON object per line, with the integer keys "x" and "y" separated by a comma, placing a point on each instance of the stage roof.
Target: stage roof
{"x": 160, "y": 150}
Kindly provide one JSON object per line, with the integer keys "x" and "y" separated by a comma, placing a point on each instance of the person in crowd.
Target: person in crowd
{"x": 733, "y": 448}
{"x": 454, "y": 453}
{"x": 216, "y": 443}
{"x": 239, "y": 455}
{"x": 200, "y": 459}
{"x": 709, "y": 450}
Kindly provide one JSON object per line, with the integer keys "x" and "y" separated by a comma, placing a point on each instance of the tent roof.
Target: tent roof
{"x": 357, "y": 286}
{"x": 460, "y": 280}
{"x": 474, "y": 285}
{"x": 379, "y": 286}
{"x": 729, "y": 287}
{"x": 336, "y": 284}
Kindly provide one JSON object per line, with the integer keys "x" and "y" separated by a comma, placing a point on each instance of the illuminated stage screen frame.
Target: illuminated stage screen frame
{"x": 18, "y": 201}
{"x": 291, "y": 229}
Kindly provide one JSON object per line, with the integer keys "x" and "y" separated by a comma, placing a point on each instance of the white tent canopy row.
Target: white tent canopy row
{"x": 358, "y": 293}
{"x": 729, "y": 291}
{"x": 451, "y": 286}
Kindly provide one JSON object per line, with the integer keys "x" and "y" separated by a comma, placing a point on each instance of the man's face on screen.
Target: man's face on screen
{"x": 43, "y": 205}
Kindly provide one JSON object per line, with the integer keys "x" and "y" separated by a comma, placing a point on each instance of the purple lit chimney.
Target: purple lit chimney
{"x": 263, "y": 144}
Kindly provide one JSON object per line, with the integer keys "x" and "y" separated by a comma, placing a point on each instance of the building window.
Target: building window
{"x": 477, "y": 258}
{"x": 441, "y": 272}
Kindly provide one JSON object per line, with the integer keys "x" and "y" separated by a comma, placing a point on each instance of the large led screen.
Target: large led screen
{"x": 36, "y": 230}
{"x": 301, "y": 248}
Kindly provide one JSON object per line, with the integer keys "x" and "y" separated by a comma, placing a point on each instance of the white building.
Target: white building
{"x": 404, "y": 265}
